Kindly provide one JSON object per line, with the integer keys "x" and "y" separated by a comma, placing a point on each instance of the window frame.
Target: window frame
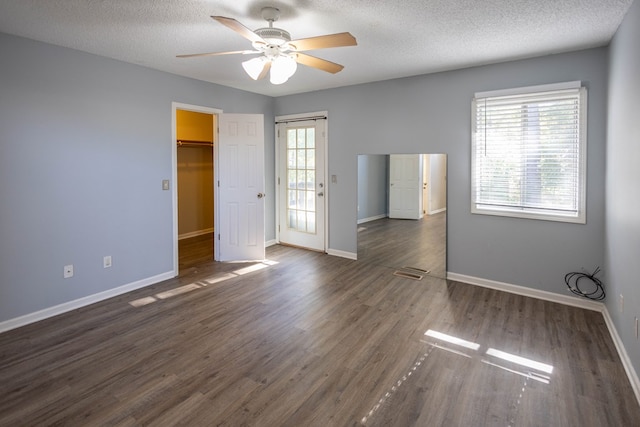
{"x": 532, "y": 213}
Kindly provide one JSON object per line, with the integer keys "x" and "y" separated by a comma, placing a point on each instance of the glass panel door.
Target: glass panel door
{"x": 301, "y": 151}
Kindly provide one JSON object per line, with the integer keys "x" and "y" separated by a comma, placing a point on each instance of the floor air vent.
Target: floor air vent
{"x": 419, "y": 270}
{"x": 407, "y": 275}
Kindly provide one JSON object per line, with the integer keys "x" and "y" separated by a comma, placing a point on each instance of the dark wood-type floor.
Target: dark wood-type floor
{"x": 306, "y": 339}
{"x": 194, "y": 251}
{"x": 399, "y": 243}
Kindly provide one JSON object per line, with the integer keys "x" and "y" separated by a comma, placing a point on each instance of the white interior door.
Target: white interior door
{"x": 405, "y": 186}
{"x": 301, "y": 183}
{"x": 240, "y": 196}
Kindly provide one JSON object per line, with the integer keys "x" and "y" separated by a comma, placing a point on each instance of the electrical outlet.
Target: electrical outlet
{"x": 621, "y": 304}
{"x": 106, "y": 261}
{"x": 68, "y": 271}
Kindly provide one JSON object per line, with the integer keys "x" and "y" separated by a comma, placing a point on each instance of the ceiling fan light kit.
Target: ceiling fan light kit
{"x": 282, "y": 67}
{"x": 280, "y": 55}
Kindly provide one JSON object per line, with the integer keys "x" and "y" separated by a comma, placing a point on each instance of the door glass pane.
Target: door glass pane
{"x": 311, "y": 222}
{"x": 311, "y": 201}
{"x": 311, "y": 180}
{"x": 292, "y": 219}
{"x": 291, "y": 159}
{"x": 301, "y": 139}
{"x": 301, "y": 179}
{"x": 302, "y": 161}
{"x": 291, "y": 138}
{"x": 311, "y": 159}
{"x": 292, "y": 199}
{"x": 302, "y": 221}
{"x": 311, "y": 137}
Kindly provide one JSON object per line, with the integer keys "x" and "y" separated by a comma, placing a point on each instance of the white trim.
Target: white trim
{"x": 372, "y": 218}
{"x": 342, "y": 254}
{"x": 529, "y": 89}
{"x": 437, "y": 211}
{"x": 195, "y": 233}
{"x": 81, "y": 302}
{"x": 566, "y": 300}
{"x": 270, "y": 243}
{"x": 528, "y": 292}
{"x": 622, "y": 352}
{"x": 174, "y": 174}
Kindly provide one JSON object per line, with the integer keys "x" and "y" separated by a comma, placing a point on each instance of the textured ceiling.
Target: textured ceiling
{"x": 395, "y": 38}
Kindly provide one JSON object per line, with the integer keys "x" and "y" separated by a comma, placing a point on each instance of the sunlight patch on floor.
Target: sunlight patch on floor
{"x": 500, "y": 359}
{"x": 141, "y": 302}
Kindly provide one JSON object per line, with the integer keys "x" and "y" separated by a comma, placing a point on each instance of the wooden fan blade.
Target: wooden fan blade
{"x": 239, "y": 28}
{"x": 244, "y": 52}
{"x": 265, "y": 70}
{"x": 321, "y": 64}
{"x": 322, "y": 42}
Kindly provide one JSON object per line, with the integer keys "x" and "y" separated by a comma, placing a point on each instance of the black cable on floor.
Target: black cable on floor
{"x": 573, "y": 283}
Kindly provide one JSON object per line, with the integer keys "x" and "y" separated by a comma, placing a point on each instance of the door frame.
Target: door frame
{"x": 174, "y": 176}
{"x": 302, "y": 117}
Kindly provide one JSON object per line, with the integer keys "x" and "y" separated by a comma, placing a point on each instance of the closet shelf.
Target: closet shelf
{"x": 192, "y": 143}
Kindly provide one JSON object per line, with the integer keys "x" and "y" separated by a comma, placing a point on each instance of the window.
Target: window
{"x": 529, "y": 152}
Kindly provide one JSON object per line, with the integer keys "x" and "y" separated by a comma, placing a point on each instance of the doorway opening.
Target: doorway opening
{"x": 401, "y": 209}
{"x": 194, "y": 139}
{"x": 195, "y": 158}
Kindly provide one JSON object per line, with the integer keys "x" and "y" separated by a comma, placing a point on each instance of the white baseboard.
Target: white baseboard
{"x": 270, "y": 243}
{"x": 372, "y": 218}
{"x": 81, "y": 302}
{"x": 342, "y": 254}
{"x": 437, "y": 211}
{"x": 622, "y": 352}
{"x": 529, "y": 292}
{"x": 566, "y": 300}
{"x": 195, "y": 233}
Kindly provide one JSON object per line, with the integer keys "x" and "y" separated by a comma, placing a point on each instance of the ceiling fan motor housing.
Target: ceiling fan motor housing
{"x": 276, "y": 36}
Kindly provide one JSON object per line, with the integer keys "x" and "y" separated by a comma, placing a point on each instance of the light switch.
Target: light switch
{"x": 165, "y": 184}
{"x": 334, "y": 179}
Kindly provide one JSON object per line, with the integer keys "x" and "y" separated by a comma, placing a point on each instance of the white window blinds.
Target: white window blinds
{"x": 528, "y": 154}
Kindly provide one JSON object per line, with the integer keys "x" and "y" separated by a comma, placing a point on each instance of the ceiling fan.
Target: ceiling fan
{"x": 278, "y": 53}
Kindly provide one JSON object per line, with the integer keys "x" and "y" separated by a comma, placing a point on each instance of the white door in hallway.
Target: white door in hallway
{"x": 405, "y": 186}
{"x": 240, "y": 164}
{"x": 301, "y": 183}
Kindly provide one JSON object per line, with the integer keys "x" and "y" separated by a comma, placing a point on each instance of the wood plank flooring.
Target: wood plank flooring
{"x": 401, "y": 243}
{"x": 306, "y": 339}
{"x": 195, "y": 250}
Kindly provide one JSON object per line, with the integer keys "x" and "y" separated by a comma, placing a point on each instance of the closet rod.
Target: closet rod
{"x": 191, "y": 143}
{"x": 302, "y": 119}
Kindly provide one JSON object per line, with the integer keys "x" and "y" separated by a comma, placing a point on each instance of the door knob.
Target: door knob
{"x": 261, "y": 195}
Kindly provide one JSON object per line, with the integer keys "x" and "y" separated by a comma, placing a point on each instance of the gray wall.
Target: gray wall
{"x": 623, "y": 177}
{"x": 373, "y": 184}
{"x": 85, "y": 142}
{"x": 432, "y": 114}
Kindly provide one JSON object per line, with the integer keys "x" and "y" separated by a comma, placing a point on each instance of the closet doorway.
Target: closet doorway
{"x": 195, "y": 139}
